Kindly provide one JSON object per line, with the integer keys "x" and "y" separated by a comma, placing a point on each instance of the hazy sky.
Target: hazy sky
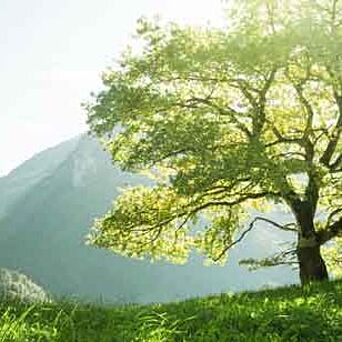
{"x": 52, "y": 52}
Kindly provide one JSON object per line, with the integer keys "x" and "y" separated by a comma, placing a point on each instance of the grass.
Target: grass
{"x": 313, "y": 313}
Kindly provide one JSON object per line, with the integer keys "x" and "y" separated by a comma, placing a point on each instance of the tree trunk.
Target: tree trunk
{"x": 311, "y": 264}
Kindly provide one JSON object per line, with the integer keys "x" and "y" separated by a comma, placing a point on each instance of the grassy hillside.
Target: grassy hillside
{"x": 286, "y": 314}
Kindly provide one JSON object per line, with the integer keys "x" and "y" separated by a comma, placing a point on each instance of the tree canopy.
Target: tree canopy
{"x": 227, "y": 119}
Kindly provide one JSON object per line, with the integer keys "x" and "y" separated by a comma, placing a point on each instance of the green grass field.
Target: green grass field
{"x": 289, "y": 314}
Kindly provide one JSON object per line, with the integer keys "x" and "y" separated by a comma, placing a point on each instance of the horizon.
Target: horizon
{"x": 54, "y": 58}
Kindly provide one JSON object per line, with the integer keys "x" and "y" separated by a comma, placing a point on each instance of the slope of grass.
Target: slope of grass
{"x": 313, "y": 313}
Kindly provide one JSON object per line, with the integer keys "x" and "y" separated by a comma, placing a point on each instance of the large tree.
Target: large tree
{"x": 246, "y": 116}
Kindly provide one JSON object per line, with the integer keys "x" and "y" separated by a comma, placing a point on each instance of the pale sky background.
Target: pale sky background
{"x": 52, "y": 53}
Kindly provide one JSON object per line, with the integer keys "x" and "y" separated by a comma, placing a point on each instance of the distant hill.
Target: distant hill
{"x": 47, "y": 206}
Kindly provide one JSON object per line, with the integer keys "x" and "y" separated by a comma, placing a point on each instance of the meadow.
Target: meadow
{"x": 310, "y": 313}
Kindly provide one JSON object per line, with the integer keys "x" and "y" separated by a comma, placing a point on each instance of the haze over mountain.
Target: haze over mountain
{"x": 47, "y": 206}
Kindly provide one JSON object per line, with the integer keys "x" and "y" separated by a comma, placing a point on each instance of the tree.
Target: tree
{"x": 249, "y": 116}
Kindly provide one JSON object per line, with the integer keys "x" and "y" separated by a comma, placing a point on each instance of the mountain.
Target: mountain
{"x": 47, "y": 206}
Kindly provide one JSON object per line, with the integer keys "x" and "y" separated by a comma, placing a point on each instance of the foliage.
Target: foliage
{"x": 15, "y": 285}
{"x": 312, "y": 313}
{"x": 226, "y": 120}
{"x": 333, "y": 255}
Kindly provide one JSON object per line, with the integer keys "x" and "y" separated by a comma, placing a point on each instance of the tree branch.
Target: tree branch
{"x": 231, "y": 113}
{"x": 338, "y": 162}
{"x": 250, "y": 227}
{"x": 331, "y": 147}
{"x": 334, "y": 230}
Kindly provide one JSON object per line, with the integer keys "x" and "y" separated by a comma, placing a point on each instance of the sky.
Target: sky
{"x": 52, "y": 54}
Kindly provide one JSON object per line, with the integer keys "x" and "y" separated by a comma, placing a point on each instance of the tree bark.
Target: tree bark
{"x": 311, "y": 264}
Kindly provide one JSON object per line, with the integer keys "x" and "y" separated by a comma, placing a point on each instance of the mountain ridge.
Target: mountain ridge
{"x": 13, "y": 175}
